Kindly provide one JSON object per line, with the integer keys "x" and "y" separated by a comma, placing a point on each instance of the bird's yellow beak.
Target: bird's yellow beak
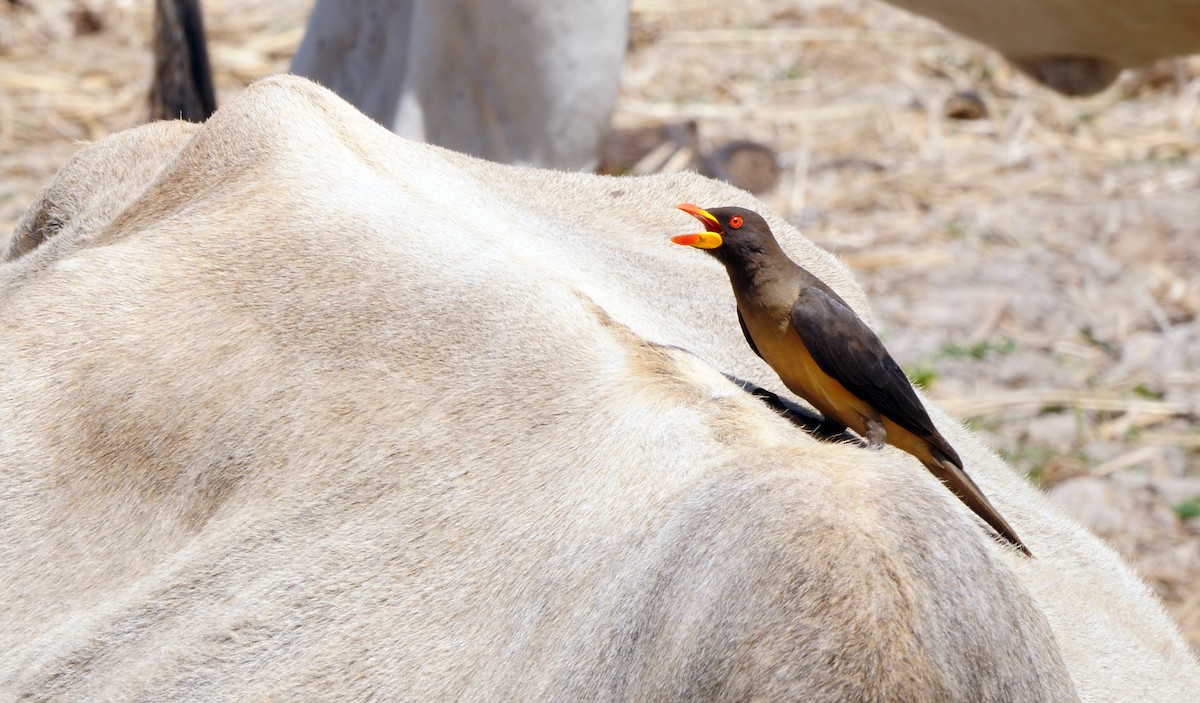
{"x": 710, "y": 239}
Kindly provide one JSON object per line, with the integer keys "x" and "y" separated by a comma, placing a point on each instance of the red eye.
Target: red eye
{"x": 735, "y": 221}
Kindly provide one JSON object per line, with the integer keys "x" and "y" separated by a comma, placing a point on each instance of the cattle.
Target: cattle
{"x": 522, "y": 81}
{"x": 293, "y": 408}
{"x": 534, "y": 83}
{"x": 1076, "y": 47}
{"x": 518, "y": 81}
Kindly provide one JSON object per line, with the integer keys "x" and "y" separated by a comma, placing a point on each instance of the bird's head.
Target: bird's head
{"x": 731, "y": 234}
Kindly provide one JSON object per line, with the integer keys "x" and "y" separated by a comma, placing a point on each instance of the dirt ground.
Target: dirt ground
{"x": 1036, "y": 268}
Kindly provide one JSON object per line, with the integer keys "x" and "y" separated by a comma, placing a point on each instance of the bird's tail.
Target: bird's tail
{"x": 962, "y": 486}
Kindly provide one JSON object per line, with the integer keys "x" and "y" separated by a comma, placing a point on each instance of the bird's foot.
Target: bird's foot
{"x": 876, "y": 434}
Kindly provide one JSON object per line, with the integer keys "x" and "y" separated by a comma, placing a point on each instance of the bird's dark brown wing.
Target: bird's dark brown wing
{"x": 846, "y": 349}
{"x": 746, "y": 334}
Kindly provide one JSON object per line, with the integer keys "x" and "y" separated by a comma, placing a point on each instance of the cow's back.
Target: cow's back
{"x": 316, "y": 412}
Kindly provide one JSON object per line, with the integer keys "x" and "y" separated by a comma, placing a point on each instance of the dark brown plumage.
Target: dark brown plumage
{"x": 825, "y": 353}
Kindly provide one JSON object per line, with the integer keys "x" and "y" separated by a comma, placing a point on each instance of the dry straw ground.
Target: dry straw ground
{"x": 1037, "y": 268}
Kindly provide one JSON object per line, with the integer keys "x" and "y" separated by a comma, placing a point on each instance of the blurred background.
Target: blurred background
{"x": 1032, "y": 260}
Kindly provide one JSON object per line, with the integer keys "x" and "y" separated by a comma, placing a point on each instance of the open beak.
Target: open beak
{"x": 709, "y": 239}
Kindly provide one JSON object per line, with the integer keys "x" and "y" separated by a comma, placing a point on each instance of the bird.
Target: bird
{"x": 824, "y": 353}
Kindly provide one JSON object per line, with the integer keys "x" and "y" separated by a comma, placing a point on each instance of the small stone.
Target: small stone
{"x": 965, "y": 105}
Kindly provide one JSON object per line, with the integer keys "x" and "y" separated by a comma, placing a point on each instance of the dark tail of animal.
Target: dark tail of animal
{"x": 183, "y": 86}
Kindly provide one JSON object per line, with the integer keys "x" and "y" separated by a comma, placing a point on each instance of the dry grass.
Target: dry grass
{"x": 1038, "y": 268}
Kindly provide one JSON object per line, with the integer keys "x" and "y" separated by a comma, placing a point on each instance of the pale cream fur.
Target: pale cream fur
{"x": 294, "y": 409}
{"x": 1077, "y": 47}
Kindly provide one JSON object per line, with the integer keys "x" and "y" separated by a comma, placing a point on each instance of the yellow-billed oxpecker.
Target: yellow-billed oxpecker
{"x": 825, "y": 353}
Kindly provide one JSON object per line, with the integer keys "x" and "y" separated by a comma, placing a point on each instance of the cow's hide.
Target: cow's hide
{"x": 516, "y": 81}
{"x": 1077, "y": 47}
{"x": 292, "y": 408}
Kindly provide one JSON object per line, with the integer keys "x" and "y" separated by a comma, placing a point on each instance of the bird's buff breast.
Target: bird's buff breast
{"x": 783, "y": 350}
